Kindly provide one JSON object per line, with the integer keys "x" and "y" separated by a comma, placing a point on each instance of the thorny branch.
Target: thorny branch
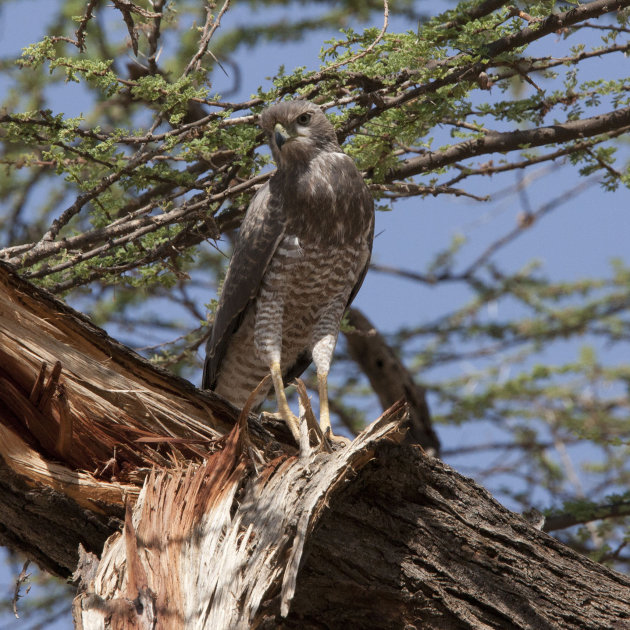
{"x": 214, "y": 185}
{"x": 469, "y": 273}
{"x": 139, "y": 218}
{"x": 131, "y": 227}
{"x": 209, "y": 29}
{"x": 19, "y": 582}
{"x": 613, "y": 123}
{"x": 610, "y": 122}
{"x": 80, "y": 32}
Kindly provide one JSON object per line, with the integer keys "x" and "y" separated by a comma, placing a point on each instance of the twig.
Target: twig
{"x": 474, "y": 13}
{"x": 80, "y": 32}
{"x": 344, "y": 62}
{"x": 208, "y": 31}
{"x": 607, "y": 167}
{"x": 130, "y": 7}
{"x": 592, "y": 513}
{"x": 404, "y": 273}
{"x": 153, "y": 37}
{"x": 19, "y": 581}
{"x": 405, "y": 189}
{"x": 553, "y": 204}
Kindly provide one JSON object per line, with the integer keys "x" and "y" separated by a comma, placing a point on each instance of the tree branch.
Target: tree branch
{"x": 380, "y": 520}
{"x": 586, "y": 513}
{"x": 512, "y": 141}
{"x": 389, "y": 378}
{"x": 209, "y": 29}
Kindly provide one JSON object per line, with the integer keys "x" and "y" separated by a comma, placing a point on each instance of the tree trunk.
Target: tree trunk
{"x": 174, "y": 513}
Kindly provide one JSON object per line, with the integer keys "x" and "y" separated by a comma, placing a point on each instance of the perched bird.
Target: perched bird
{"x": 300, "y": 258}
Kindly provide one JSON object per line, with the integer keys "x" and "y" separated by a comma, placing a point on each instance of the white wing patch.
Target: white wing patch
{"x": 338, "y": 155}
{"x": 290, "y": 247}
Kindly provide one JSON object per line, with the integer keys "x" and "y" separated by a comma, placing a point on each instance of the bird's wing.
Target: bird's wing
{"x": 261, "y": 231}
{"x": 369, "y": 201}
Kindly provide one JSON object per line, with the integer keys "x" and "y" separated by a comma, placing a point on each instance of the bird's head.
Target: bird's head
{"x": 297, "y": 131}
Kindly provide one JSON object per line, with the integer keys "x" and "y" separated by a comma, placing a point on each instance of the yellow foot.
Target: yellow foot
{"x": 284, "y": 411}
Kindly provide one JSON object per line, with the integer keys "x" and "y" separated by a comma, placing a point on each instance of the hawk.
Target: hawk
{"x": 301, "y": 255}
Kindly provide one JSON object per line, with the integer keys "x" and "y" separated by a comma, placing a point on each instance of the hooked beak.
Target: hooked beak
{"x": 281, "y": 135}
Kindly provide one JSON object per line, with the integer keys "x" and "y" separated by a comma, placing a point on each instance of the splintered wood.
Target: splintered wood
{"x": 215, "y": 520}
{"x": 214, "y": 541}
{"x": 75, "y": 396}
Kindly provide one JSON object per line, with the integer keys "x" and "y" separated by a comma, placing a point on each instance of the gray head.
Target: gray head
{"x": 297, "y": 131}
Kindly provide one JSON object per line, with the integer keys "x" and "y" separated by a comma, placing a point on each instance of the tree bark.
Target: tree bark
{"x": 174, "y": 512}
{"x": 423, "y": 547}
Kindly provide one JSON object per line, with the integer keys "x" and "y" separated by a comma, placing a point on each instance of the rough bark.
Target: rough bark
{"x": 178, "y": 525}
{"x": 424, "y": 547}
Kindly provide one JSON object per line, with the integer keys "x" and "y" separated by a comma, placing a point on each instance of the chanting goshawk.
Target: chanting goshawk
{"x": 300, "y": 258}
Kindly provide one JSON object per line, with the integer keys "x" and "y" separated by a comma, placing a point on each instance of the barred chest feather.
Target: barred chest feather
{"x": 304, "y": 287}
{"x": 307, "y": 287}
{"x": 310, "y": 274}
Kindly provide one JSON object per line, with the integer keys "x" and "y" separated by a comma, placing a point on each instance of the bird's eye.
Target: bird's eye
{"x": 303, "y": 119}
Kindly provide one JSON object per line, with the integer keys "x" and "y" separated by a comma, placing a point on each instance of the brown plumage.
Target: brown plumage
{"x": 301, "y": 256}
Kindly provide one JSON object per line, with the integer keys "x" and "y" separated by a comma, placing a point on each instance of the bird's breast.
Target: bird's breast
{"x": 307, "y": 273}
{"x": 327, "y": 202}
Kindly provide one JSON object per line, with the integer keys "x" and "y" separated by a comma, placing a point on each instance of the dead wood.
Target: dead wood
{"x": 173, "y": 515}
{"x": 83, "y": 419}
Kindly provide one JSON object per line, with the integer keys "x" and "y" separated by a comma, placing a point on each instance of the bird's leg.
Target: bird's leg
{"x": 284, "y": 411}
{"x": 324, "y": 412}
{"x": 268, "y": 341}
{"x": 322, "y": 356}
